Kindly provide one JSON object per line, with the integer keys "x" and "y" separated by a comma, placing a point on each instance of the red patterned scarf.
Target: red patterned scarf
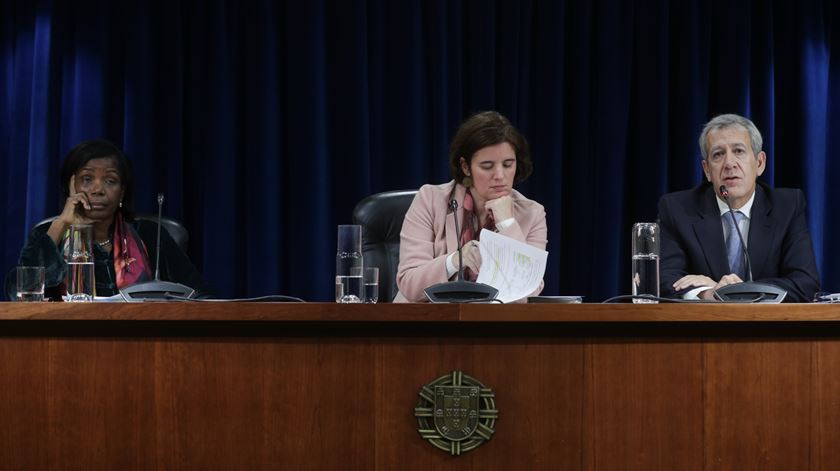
{"x": 468, "y": 231}
{"x": 131, "y": 258}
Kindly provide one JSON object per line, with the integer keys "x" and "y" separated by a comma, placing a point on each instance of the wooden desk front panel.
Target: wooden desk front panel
{"x": 290, "y": 398}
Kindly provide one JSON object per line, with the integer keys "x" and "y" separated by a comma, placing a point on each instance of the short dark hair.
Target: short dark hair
{"x": 97, "y": 149}
{"x": 485, "y": 129}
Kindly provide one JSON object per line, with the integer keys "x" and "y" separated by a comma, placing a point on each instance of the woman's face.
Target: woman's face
{"x": 100, "y": 180}
{"x": 492, "y": 169}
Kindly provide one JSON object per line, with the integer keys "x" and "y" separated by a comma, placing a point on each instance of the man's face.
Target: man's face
{"x": 730, "y": 162}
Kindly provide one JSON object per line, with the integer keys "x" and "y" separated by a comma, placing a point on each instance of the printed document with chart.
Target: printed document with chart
{"x": 513, "y": 267}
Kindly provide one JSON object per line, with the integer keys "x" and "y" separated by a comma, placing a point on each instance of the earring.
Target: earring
{"x": 120, "y": 203}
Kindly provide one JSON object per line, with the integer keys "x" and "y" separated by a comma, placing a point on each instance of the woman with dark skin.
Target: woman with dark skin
{"x": 98, "y": 186}
{"x": 94, "y": 200}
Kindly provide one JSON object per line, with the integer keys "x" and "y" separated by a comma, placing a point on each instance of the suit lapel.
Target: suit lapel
{"x": 709, "y": 232}
{"x": 761, "y": 234}
{"x": 451, "y": 237}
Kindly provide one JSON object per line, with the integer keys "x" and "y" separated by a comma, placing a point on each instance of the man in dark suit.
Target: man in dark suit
{"x": 701, "y": 251}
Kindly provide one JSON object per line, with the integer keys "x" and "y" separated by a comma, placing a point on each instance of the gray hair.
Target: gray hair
{"x": 728, "y": 120}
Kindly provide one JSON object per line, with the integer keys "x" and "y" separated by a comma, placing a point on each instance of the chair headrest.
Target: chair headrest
{"x": 382, "y": 214}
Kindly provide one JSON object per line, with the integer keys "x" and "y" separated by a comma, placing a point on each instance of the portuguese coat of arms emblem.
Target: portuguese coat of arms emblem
{"x": 456, "y": 413}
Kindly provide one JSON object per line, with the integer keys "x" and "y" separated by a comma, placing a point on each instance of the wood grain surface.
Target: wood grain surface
{"x": 229, "y": 311}
{"x": 210, "y": 386}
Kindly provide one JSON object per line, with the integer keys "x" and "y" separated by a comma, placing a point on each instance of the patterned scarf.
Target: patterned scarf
{"x": 131, "y": 258}
{"x": 468, "y": 232}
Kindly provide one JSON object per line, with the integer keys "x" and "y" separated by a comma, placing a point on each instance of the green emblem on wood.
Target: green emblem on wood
{"x": 456, "y": 413}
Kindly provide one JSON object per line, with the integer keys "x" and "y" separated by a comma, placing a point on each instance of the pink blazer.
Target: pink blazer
{"x": 428, "y": 236}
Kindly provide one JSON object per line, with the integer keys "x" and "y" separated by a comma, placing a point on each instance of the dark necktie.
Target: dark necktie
{"x": 734, "y": 249}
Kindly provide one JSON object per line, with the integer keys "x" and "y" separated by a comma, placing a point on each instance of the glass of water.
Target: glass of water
{"x": 645, "y": 263}
{"x": 79, "y": 257}
{"x": 30, "y": 284}
{"x": 370, "y": 278}
{"x": 349, "y": 287}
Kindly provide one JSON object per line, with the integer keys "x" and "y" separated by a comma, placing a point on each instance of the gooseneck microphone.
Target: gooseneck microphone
{"x": 725, "y": 194}
{"x": 159, "y": 223}
{"x": 157, "y": 289}
{"x": 453, "y": 205}
{"x": 749, "y": 291}
{"x": 460, "y": 291}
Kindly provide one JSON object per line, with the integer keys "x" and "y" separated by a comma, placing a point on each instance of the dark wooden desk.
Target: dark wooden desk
{"x": 325, "y": 386}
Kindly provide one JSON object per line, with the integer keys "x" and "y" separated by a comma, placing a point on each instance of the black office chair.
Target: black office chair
{"x": 381, "y": 217}
{"x": 175, "y": 229}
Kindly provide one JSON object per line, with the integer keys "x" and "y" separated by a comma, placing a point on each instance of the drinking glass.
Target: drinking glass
{"x": 30, "y": 284}
{"x": 349, "y": 287}
{"x": 79, "y": 257}
{"x": 645, "y": 263}
{"x": 370, "y": 279}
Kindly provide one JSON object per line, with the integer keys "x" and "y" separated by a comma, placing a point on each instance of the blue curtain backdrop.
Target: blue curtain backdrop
{"x": 264, "y": 122}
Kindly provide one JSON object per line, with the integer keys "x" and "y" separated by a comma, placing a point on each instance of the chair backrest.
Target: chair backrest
{"x": 175, "y": 229}
{"x": 381, "y": 217}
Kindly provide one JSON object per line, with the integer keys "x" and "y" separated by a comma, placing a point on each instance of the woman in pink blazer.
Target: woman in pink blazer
{"x": 487, "y": 156}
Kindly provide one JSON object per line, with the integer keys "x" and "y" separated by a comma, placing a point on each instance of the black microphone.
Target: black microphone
{"x": 157, "y": 289}
{"x": 749, "y": 291}
{"x": 725, "y": 195}
{"x": 460, "y": 291}
{"x": 453, "y": 205}
{"x": 159, "y": 222}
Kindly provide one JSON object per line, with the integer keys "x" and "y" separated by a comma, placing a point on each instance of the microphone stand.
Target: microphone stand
{"x": 460, "y": 291}
{"x": 747, "y": 291}
{"x": 157, "y": 289}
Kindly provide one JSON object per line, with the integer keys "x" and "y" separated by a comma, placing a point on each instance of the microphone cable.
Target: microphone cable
{"x": 277, "y": 298}
{"x": 629, "y": 297}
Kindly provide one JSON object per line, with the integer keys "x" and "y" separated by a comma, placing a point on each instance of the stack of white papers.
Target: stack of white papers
{"x": 513, "y": 267}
